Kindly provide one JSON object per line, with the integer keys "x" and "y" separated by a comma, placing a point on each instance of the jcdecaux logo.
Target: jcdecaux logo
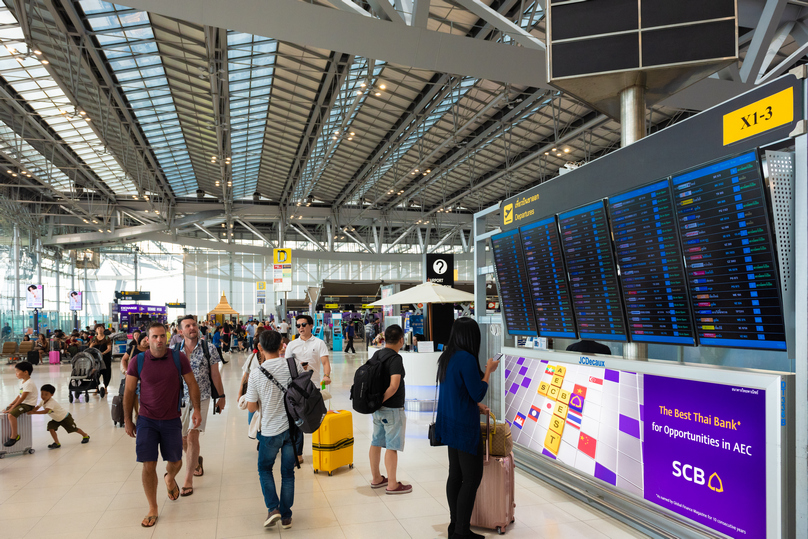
{"x": 695, "y": 475}
{"x": 583, "y": 360}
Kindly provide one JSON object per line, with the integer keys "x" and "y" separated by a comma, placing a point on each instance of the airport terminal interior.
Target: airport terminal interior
{"x": 605, "y": 202}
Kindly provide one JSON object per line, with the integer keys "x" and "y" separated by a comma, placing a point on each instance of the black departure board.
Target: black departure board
{"x": 548, "y": 279}
{"x": 731, "y": 265}
{"x": 592, "y": 272}
{"x": 652, "y": 270}
{"x": 513, "y": 286}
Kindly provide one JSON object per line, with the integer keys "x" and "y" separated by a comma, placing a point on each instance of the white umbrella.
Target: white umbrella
{"x": 426, "y": 293}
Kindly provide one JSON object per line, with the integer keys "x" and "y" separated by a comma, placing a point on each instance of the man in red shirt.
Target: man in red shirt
{"x": 160, "y": 372}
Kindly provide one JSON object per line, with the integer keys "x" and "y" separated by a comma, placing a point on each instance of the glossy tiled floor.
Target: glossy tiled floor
{"x": 94, "y": 490}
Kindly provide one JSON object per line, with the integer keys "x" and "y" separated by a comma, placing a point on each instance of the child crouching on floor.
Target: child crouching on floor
{"x": 59, "y": 417}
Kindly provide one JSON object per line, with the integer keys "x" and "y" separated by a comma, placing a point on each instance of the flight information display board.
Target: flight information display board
{"x": 513, "y": 285}
{"x": 652, "y": 270}
{"x": 548, "y": 279}
{"x": 731, "y": 265}
{"x": 593, "y": 275}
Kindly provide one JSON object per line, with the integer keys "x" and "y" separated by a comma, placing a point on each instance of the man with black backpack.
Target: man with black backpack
{"x": 380, "y": 389}
{"x": 266, "y": 391}
{"x": 204, "y": 359}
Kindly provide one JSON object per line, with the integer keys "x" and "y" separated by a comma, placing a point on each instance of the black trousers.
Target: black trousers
{"x": 465, "y": 475}
{"x": 350, "y": 345}
{"x": 107, "y": 372}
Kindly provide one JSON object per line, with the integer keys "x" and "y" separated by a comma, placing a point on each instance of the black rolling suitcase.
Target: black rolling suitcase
{"x": 33, "y": 357}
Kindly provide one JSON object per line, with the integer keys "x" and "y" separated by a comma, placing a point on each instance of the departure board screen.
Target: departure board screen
{"x": 652, "y": 270}
{"x": 728, "y": 247}
{"x": 593, "y": 276}
{"x": 548, "y": 279}
{"x": 513, "y": 285}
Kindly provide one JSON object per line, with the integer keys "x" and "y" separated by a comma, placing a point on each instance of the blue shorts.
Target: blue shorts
{"x": 151, "y": 433}
{"x": 389, "y": 428}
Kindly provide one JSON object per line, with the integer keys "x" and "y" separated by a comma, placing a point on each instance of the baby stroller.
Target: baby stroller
{"x": 85, "y": 374}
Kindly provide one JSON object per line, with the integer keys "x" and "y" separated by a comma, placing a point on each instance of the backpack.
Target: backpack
{"x": 303, "y": 400}
{"x": 367, "y": 392}
{"x": 141, "y": 358}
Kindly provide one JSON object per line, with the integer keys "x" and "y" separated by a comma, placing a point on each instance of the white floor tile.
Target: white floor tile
{"x": 100, "y": 483}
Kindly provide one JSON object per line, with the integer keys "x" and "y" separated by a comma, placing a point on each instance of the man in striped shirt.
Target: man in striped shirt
{"x": 275, "y": 435}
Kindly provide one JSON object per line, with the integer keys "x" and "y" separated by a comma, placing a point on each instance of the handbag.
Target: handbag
{"x": 499, "y": 438}
{"x": 434, "y": 439}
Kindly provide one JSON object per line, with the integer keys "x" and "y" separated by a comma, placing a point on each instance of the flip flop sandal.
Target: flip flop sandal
{"x": 199, "y": 469}
{"x": 149, "y": 522}
{"x": 171, "y": 496}
{"x": 380, "y": 485}
{"x": 186, "y": 491}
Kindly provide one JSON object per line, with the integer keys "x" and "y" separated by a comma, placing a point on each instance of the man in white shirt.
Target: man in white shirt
{"x": 275, "y": 436}
{"x": 311, "y": 352}
{"x": 283, "y": 328}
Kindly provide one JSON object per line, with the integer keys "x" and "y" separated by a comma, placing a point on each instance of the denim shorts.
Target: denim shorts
{"x": 389, "y": 428}
{"x": 153, "y": 433}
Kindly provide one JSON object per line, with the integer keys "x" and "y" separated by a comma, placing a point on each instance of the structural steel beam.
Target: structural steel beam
{"x": 300, "y": 230}
{"x": 506, "y": 26}
{"x": 139, "y": 146}
{"x": 326, "y": 28}
{"x": 127, "y": 232}
{"x": 246, "y": 224}
{"x": 764, "y": 33}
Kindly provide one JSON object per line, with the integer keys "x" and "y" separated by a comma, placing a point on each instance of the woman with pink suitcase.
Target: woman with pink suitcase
{"x": 462, "y": 388}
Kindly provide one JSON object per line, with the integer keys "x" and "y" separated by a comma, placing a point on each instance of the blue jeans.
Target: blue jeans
{"x": 268, "y": 447}
{"x": 250, "y": 342}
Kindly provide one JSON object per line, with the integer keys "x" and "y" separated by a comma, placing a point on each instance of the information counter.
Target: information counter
{"x": 420, "y": 370}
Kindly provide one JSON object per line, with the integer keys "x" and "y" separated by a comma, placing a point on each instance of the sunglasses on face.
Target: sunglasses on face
{"x": 302, "y": 325}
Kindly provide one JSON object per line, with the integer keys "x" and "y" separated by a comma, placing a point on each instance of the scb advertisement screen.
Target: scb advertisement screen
{"x": 696, "y": 448}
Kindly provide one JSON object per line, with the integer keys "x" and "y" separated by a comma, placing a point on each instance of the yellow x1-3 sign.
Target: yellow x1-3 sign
{"x": 760, "y": 116}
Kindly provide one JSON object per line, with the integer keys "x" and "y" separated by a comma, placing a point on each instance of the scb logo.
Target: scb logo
{"x": 696, "y": 475}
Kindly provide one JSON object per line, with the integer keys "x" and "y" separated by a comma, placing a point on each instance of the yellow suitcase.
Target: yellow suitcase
{"x": 332, "y": 443}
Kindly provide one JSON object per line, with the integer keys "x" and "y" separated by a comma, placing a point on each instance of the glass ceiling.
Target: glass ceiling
{"x": 25, "y": 73}
{"x": 34, "y": 162}
{"x": 128, "y": 43}
{"x": 251, "y": 61}
{"x": 337, "y": 129}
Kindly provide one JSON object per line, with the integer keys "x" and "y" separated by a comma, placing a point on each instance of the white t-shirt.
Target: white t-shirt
{"x": 30, "y": 387}
{"x": 55, "y": 410}
{"x": 262, "y": 389}
{"x": 251, "y": 364}
{"x": 309, "y": 351}
{"x": 283, "y": 328}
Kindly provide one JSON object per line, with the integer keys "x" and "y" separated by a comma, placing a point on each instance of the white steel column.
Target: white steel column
{"x": 632, "y": 119}
{"x": 801, "y": 331}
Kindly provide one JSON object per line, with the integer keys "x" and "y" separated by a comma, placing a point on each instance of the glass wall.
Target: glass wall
{"x": 172, "y": 274}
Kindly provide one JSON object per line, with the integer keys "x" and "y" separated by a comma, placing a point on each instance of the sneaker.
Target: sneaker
{"x": 85, "y": 439}
{"x": 286, "y": 523}
{"x": 54, "y": 445}
{"x": 272, "y": 518}
{"x": 400, "y": 489}
{"x": 12, "y": 441}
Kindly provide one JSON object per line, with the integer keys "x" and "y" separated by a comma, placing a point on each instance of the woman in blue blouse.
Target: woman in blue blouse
{"x": 462, "y": 389}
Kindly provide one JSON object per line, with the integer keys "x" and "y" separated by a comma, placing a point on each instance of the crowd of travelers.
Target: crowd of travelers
{"x": 171, "y": 384}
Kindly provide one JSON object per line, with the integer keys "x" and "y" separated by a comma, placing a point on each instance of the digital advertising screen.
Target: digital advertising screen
{"x": 514, "y": 289}
{"x": 696, "y": 448}
{"x": 731, "y": 261}
{"x": 548, "y": 279}
{"x": 592, "y": 273}
{"x": 74, "y": 297}
{"x": 652, "y": 270}
{"x": 35, "y": 296}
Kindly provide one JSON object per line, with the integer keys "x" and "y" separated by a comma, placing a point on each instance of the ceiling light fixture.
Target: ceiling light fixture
{"x": 45, "y": 62}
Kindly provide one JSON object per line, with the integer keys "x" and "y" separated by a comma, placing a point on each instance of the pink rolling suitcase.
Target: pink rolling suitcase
{"x": 25, "y": 443}
{"x": 494, "y": 505}
{"x": 54, "y": 357}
